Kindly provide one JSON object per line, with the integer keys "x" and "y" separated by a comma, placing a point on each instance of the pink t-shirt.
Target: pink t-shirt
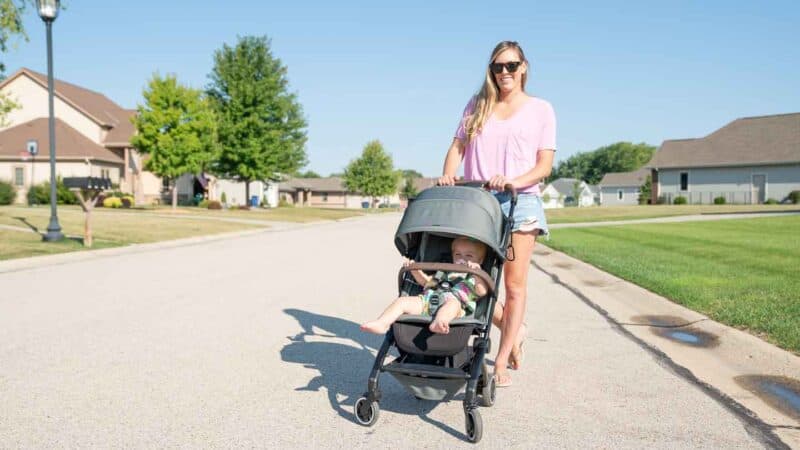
{"x": 509, "y": 147}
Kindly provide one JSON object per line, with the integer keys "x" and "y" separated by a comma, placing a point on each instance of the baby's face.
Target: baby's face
{"x": 465, "y": 251}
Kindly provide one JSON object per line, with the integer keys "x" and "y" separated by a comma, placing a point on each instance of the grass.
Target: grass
{"x": 744, "y": 273}
{"x": 282, "y": 214}
{"x": 110, "y": 229}
{"x": 610, "y": 213}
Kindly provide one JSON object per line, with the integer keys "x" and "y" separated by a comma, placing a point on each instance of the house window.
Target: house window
{"x": 684, "y": 181}
{"x": 325, "y": 197}
{"x": 104, "y": 173}
{"x": 619, "y": 194}
{"x": 165, "y": 183}
{"x": 19, "y": 176}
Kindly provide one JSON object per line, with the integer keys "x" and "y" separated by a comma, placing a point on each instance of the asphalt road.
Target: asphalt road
{"x": 254, "y": 342}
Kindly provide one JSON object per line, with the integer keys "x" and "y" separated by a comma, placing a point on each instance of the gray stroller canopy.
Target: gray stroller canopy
{"x": 454, "y": 211}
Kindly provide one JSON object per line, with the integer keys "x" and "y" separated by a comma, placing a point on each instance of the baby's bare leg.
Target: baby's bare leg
{"x": 402, "y": 305}
{"x": 444, "y": 315}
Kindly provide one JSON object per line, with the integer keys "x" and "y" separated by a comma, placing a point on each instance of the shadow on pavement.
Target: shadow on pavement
{"x": 344, "y": 368}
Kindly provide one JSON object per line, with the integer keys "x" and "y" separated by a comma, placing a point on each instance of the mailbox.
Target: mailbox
{"x": 93, "y": 183}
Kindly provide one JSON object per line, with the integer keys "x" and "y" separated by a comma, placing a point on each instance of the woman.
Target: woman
{"x": 506, "y": 136}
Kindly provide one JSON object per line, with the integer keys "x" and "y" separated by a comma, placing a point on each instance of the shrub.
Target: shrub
{"x": 661, "y": 200}
{"x": 112, "y": 202}
{"x": 771, "y": 201}
{"x": 719, "y": 200}
{"x": 127, "y": 201}
{"x": 213, "y": 204}
{"x": 203, "y": 203}
{"x": 794, "y": 197}
{"x": 679, "y": 200}
{"x": 223, "y": 198}
{"x": 40, "y": 194}
{"x": 284, "y": 203}
{"x": 8, "y": 193}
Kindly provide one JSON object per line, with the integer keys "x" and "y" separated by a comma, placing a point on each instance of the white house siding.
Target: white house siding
{"x": 586, "y": 198}
{"x": 235, "y": 191}
{"x": 551, "y": 199}
{"x": 733, "y": 183}
{"x": 609, "y": 195}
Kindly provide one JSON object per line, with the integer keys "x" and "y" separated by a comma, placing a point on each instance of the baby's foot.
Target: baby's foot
{"x": 375, "y": 326}
{"x": 439, "y": 326}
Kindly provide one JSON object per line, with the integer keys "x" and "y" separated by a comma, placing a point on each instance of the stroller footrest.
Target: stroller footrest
{"x": 425, "y": 370}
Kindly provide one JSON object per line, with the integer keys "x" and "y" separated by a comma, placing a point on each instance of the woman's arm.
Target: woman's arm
{"x": 542, "y": 169}
{"x": 455, "y": 154}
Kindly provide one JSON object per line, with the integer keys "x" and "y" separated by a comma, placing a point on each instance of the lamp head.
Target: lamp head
{"x": 48, "y": 9}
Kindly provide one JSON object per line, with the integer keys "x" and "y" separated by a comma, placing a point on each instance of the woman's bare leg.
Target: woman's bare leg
{"x": 516, "y": 284}
{"x": 402, "y": 305}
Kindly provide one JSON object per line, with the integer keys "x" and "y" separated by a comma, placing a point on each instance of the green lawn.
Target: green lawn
{"x": 745, "y": 273}
{"x": 110, "y": 229}
{"x": 609, "y": 213}
{"x": 283, "y": 214}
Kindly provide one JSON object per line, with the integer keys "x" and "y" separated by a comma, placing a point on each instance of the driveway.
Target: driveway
{"x": 254, "y": 342}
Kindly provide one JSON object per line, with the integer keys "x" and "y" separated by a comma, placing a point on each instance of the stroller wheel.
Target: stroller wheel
{"x": 366, "y": 413}
{"x": 488, "y": 393}
{"x": 474, "y": 425}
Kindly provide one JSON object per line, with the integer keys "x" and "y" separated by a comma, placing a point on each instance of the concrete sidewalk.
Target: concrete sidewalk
{"x": 754, "y": 379}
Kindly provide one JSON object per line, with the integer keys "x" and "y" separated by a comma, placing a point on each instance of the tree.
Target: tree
{"x": 645, "y": 191}
{"x": 410, "y": 173}
{"x": 373, "y": 173}
{"x": 11, "y": 12}
{"x": 308, "y": 174}
{"x": 409, "y": 190}
{"x": 177, "y": 128}
{"x": 261, "y": 125}
{"x": 617, "y": 157}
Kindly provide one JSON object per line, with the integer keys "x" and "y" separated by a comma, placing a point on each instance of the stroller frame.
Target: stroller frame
{"x": 447, "y": 362}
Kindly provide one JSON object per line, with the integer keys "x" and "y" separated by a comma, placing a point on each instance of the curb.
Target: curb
{"x": 716, "y": 358}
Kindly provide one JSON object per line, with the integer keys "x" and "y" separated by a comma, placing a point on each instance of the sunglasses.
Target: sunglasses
{"x": 510, "y": 66}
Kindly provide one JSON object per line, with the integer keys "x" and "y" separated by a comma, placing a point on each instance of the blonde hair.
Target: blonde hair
{"x": 480, "y": 246}
{"x": 489, "y": 93}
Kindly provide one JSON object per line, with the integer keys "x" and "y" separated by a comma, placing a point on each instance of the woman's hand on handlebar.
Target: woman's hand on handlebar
{"x": 446, "y": 180}
{"x": 498, "y": 183}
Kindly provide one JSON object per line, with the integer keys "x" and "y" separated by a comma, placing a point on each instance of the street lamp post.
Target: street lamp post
{"x": 48, "y": 11}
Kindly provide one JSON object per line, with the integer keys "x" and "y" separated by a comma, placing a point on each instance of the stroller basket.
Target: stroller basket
{"x": 412, "y": 335}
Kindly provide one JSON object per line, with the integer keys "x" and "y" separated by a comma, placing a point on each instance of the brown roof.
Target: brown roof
{"x": 747, "y": 141}
{"x": 625, "y": 179}
{"x": 70, "y": 144}
{"x": 94, "y": 105}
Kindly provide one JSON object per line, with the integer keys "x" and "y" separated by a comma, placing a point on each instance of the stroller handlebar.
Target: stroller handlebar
{"x": 509, "y": 188}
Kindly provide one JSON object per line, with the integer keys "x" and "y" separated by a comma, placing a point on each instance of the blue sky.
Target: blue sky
{"x": 402, "y": 72}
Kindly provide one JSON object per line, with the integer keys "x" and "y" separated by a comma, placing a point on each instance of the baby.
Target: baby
{"x": 447, "y": 295}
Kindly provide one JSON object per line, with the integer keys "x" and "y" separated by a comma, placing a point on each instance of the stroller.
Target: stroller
{"x": 437, "y": 366}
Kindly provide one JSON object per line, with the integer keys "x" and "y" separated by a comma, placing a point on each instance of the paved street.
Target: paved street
{"x": 254, "y": 342}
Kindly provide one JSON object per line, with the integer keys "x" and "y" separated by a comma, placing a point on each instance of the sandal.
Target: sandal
{"x": 502, "y": 380}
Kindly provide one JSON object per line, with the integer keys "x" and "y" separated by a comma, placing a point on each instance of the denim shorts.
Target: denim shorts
{"x": 528, "y": 214}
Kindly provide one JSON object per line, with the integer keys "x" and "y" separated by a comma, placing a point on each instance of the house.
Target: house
{"x": 562, "y": 192}
{"x": 329, "y": 192}
{"x": 92, "y": 137}
{"x": 622, "y": 188}
{"x": 749, "y": 160}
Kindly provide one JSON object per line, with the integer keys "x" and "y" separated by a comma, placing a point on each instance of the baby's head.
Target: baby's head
{"x": 468, "y": 250}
